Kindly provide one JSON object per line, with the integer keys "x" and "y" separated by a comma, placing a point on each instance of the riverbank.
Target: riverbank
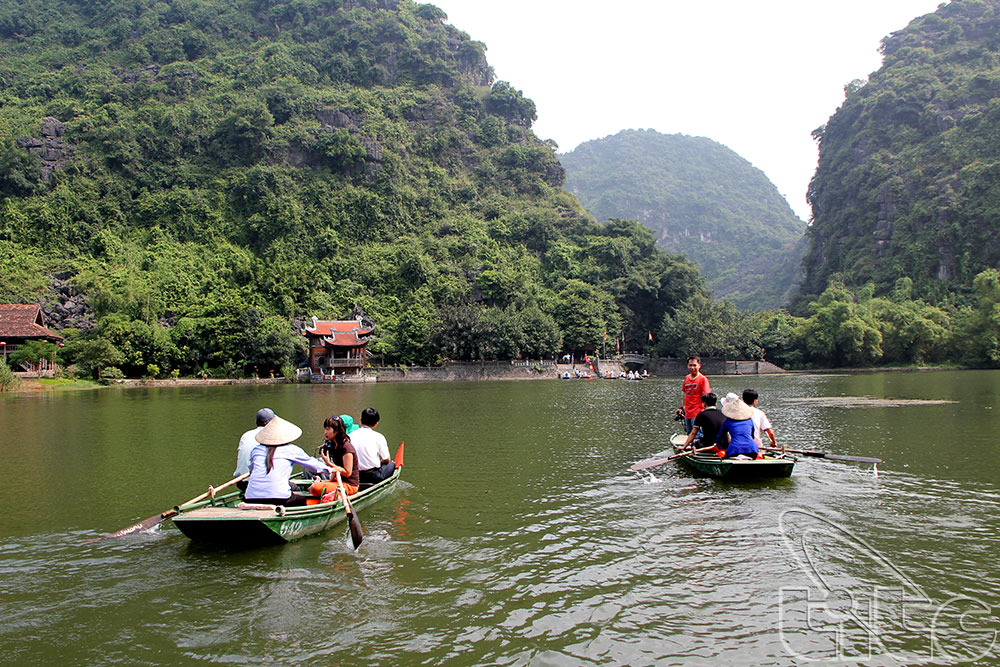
{"x": 466, "y": 372}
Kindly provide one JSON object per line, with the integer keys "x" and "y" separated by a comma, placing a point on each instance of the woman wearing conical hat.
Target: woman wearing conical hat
{"x": 271, "y": 464}
{"x": 737, "y": 430}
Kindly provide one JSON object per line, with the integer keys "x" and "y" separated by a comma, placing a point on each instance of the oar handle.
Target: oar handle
{"x": 658, "y": 462}
{"x": 690, "y": 452}
{"x": 343, "y": 493}
{"x": 212, "y": 490}
{"x": 824, "y": 455}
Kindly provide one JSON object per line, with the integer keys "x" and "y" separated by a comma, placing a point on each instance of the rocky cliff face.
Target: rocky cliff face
{"x": 908, "y": 175}
{"x": 54, "y": 151}
{"x": 64, "y": 307}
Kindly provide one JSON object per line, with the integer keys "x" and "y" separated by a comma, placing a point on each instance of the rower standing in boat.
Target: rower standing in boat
{"x": 271, "y": 464}
{"x": 695, "y": 385}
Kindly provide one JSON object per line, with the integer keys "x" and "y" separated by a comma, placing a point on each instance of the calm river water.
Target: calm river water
{"x": 518, "y": 536}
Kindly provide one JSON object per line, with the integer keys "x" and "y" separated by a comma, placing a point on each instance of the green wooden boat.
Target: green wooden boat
{"x": 735, "y": 469}
{"x": 227, "y": 520}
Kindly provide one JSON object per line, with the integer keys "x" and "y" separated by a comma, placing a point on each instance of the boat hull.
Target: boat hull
{"x": 735, "y": 469}
{"x": 222, "y": 522}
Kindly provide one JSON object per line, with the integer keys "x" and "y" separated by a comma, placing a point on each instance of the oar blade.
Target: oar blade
{"x": 142, "y": 526}
{"x": 856, "y": 459}
{"x": 357, "y": 535}
{"x": 643, "y": 465}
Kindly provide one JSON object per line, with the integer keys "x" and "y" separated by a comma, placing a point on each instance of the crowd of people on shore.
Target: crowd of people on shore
{"x": 735, "y": 431}
{"x": 350, "y": 457}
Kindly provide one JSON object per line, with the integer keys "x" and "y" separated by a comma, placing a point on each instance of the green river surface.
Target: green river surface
{"x": 518, "y": 535}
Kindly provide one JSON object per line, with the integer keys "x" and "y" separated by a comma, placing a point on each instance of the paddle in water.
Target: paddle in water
{"x": 156, "y": 520}
{"x": 352, "y": 517}
{"x": 652, "y": 463}
{"x": 824, "y": 455}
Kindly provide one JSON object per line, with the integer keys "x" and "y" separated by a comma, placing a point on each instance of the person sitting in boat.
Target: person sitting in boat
{"x": 709, "y": 421}
{"x": 339, "y": 454}
{"x": 736, "y": 434}
{"x": 374, "y": 463}
{"x": 760, "y": 421}
{"x": 271, "y": 463}
{"x": 247, "y": 443}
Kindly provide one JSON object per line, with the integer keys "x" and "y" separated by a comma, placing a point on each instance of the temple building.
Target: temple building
{"x": 337, "y": 347}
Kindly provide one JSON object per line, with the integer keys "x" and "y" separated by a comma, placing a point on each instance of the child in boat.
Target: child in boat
{"x": 339, "y": 454}
{"x": 760, "y": 421}
{"x": 736, "y": 434}
{"x": 271, "y": 464}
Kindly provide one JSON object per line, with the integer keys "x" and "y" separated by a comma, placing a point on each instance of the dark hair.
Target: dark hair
{"x": 709, "y": 399}
{"x": 269, "y": 459}
{"x": 749, "y": 396}
{"x": 694, "y": 357}
{"x": 369, "y": 417}
{"x": 264, "y": 415}
{"x": 339, "y": 430}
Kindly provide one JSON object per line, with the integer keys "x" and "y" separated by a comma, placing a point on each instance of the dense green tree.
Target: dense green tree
{"x": 585, "y": 314}
{"x": 97, "y": 354}
{"x": 980, "y": 327}
{"x": 33, "y": 352}
{"x": 701, "y": 326}
{"x": 840, "y": 331}
{"x": 8, "y": 380}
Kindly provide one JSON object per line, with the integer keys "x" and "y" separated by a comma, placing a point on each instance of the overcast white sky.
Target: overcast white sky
{"x": 758, "y": 77}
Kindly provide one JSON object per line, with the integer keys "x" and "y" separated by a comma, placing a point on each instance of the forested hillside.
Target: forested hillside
{"x": 908, "y": 183}
{"x": 700, "y": 199}
{"x": 203, "y": 173}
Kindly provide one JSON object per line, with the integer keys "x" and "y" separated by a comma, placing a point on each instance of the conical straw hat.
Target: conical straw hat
{"x": 736, "y": 410}
{"x": 278, "y": 432}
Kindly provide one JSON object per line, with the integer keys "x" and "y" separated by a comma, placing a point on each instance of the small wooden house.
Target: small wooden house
{"x": 337, "y": 347}
{"x": 20, "y": 323}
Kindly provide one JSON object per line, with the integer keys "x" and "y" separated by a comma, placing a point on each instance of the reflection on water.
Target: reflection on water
{"x": 518, "y": 535}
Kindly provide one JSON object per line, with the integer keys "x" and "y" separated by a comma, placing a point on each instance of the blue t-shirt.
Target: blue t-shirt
{"x": 742, "y": 441}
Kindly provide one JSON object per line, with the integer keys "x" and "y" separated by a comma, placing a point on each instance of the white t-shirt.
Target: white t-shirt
{"x": 371, "y": 447}
{"x": 760, "y": 424}
{"x": 247, "y": 443}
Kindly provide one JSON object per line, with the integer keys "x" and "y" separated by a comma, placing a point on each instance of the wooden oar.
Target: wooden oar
{"x": 824, "y": 455}
{"x": 156, "y": 520}
{"x": 642, "y": 465}
{"x": 352, "y": 517}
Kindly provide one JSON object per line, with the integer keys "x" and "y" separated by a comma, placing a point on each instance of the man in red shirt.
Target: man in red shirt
{"x": 695, "y": 385}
